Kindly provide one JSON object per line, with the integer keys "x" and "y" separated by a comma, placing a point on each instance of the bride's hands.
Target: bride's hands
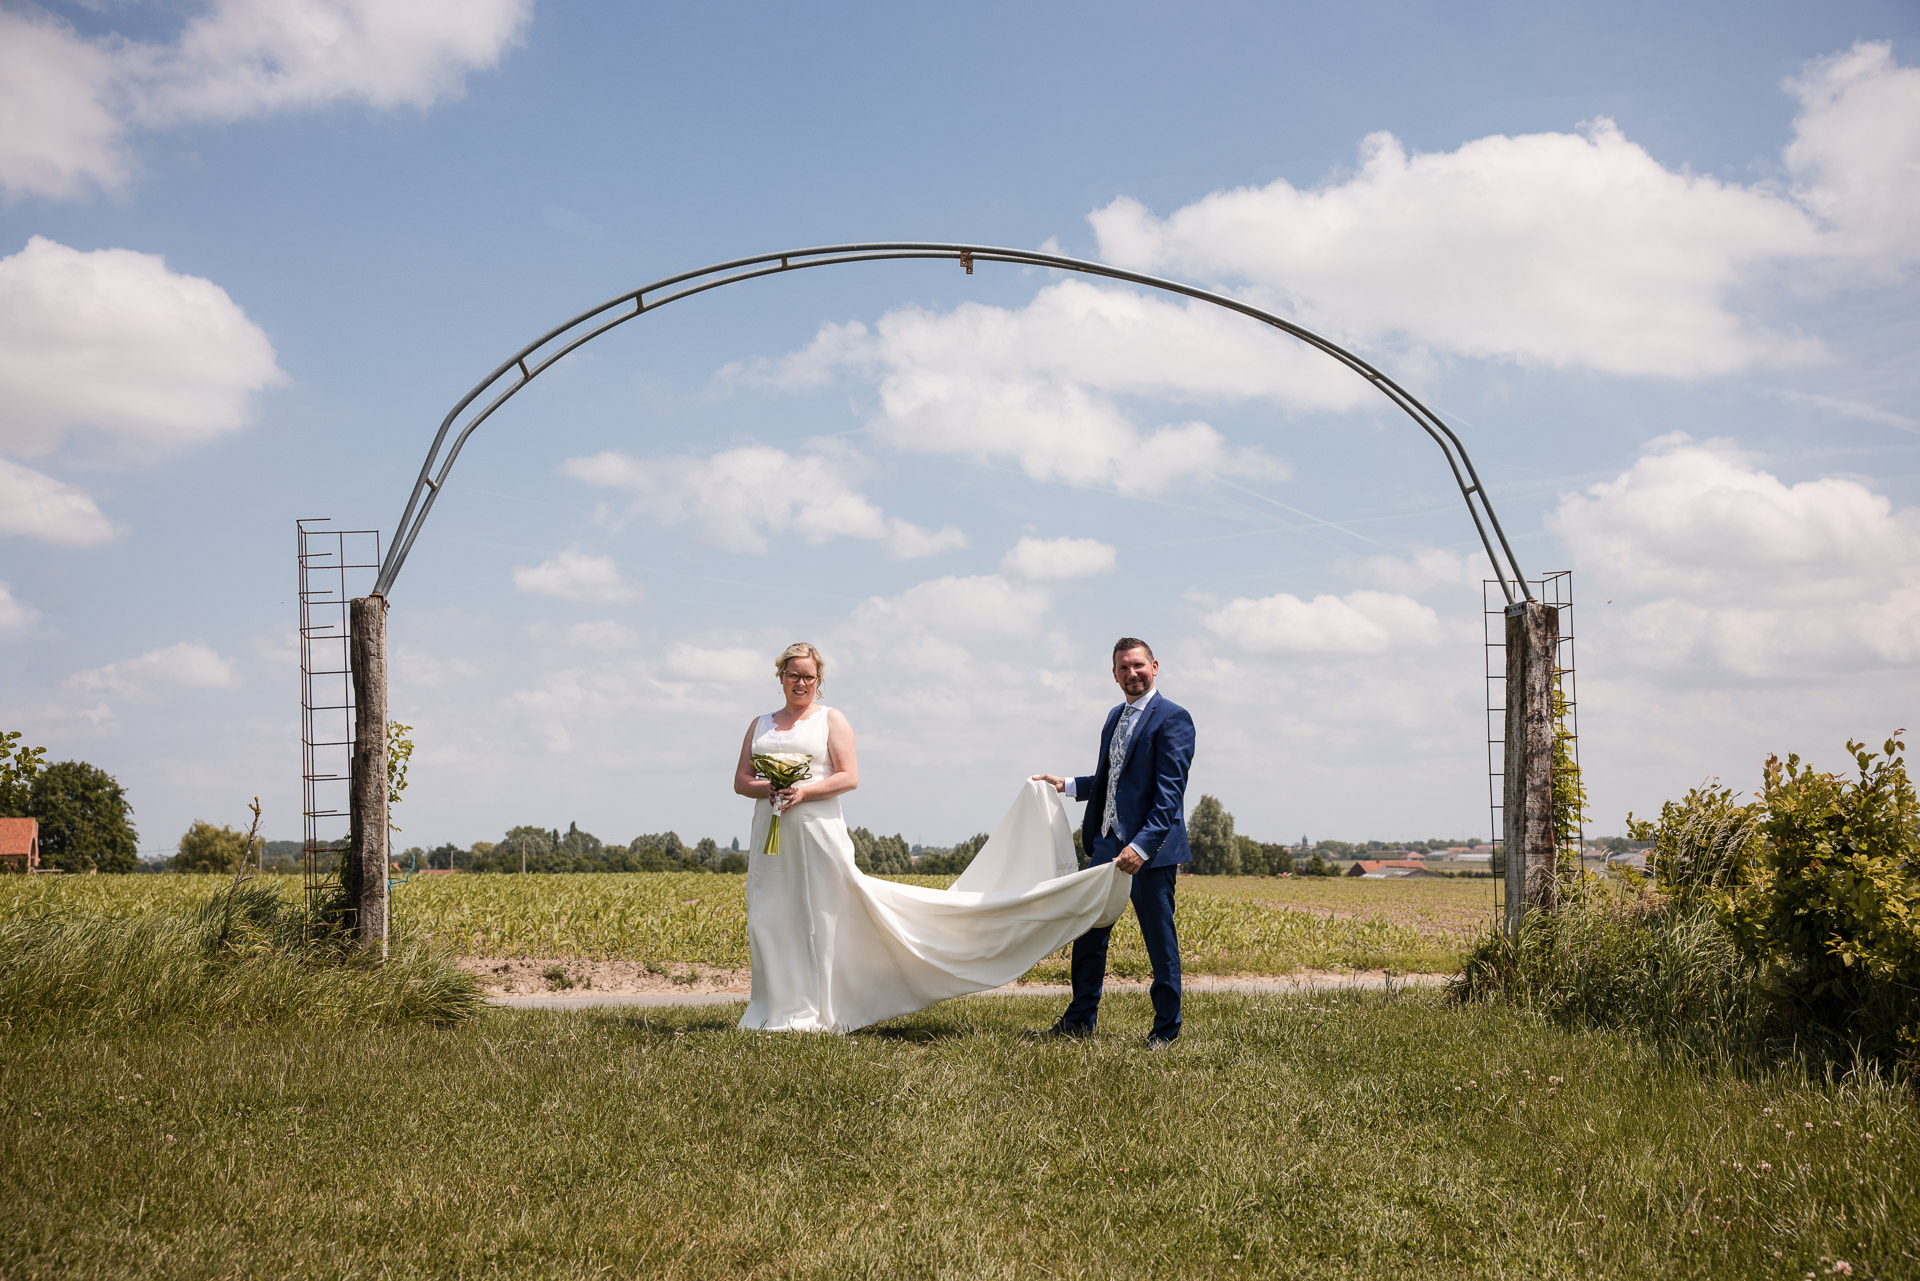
{"x": 788, "y": 798}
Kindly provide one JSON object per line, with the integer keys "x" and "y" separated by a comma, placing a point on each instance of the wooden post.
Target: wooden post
{"x": 1532, "y": 877}
{"x": 367, "y": 875}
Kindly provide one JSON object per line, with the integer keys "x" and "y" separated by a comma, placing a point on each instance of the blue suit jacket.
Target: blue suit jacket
{"x": 1150, "y": 809}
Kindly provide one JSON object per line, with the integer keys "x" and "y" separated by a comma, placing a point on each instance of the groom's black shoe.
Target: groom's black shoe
{"x": 1061, "y": 1032}
{"x": 1159, "y": 1043}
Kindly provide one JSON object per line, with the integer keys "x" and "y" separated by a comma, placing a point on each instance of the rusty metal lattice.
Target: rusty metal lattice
{"x": 1555, "y": 589}
{"x": 332, "y": 563}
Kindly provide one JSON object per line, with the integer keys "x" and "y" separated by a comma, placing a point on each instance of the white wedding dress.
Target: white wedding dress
{"x": 834, "y": 949}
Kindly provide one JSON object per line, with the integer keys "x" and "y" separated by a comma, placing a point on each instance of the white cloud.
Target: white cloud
{"x": 1566, "y": 250}
{"x": 38, "y": 506}
{"x": 1553, "y": 249}
{"x": 985, "y": 605}
{"x": 60, "y": 131}
{"x": 15, "y": 615}
{"x": 1717, "y": 566}
{"x": 148, "y": 678}
{"x": 67, "y": 102}
{"x": 1038, "y": 385}
{"x": 574, "y": 575}
{"x": 1362, "y": 622}
{"x": 1855, "y": 155}
{"x": 1052, "y": 559}
{"x": 744, "y": 499}
{"x": 111, "y": 340}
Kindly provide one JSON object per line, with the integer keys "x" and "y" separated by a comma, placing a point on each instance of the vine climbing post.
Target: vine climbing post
{"x": 1527, "y": 814}
{"x": 366, "y": 872}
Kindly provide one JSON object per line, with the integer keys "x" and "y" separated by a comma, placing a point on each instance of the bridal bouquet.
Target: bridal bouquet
{"x": 783, "y": 770}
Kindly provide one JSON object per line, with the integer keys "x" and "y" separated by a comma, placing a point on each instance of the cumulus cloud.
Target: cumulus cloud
{"x": 1565, "y": 249}
{"x": 1554, "y": 249}
{"x": 1855, "y": 154}
{"x": 576, "y": 576}
{"x": 984, "y": 605}
{"x": 1052, "y": 559}
{"x": 15, "y": 614}
{"x": 1362, "y": 622}
{"x": 38, "y": 506}
{"x": 1039, "y": 385}
{"x": 68, "y": 102}
{"x": 111, "y": 340}
{"x": 740, "y": 499}
{"x": 1720, "y": 565}
{"x": 151, "y": 676}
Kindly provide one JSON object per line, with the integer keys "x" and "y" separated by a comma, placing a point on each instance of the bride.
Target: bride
{"x": 834, "y": 949}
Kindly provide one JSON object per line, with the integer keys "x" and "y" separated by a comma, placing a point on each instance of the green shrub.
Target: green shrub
{"x": 252, "y": 965}
{"x": 1702, "y": 844}
{"x": 1794, "y": 917}
{"x": 1830, "y": 908}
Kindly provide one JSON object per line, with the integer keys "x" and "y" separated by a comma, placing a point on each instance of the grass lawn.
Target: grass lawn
{"x": 1228, "y": 925}
{"x": 1355, "y": 1135}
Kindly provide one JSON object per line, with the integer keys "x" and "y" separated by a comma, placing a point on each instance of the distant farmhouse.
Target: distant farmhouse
{"x": 19, "y": 844}
{"x": 1380, "y": 869}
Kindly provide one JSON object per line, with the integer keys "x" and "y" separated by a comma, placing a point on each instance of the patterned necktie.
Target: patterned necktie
{"x": 1116, "y": 757}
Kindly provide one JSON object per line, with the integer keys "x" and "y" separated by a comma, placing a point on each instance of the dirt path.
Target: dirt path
{"x": 527, "y": 989}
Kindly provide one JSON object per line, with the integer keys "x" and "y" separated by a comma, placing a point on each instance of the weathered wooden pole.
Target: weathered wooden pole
{"x": 1532, "y": 877}
{"x": 366, "y": 875}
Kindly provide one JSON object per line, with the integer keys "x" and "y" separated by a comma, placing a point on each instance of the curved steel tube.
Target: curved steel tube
{"x": 427, "y": 488}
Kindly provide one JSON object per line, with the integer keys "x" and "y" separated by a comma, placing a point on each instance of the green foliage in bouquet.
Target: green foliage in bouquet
{"x": 783, "y": 770}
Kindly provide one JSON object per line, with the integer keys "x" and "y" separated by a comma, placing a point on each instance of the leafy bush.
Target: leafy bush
{"x": 1830, "y": 908}
{"x": 212, "y": 966}
{"x": 1702, "y": 844}
{"x": 1794, "y": 916}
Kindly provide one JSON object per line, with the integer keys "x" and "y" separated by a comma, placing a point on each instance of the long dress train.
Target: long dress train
{"x": 834, "y": 949}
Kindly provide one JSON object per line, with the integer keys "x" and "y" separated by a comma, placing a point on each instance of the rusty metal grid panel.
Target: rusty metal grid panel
{"x": 1555, "y": 589}
{"x": 334, "y": 564}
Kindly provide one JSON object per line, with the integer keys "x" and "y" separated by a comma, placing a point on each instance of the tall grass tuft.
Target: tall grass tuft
{"x": 118, "y": 971}
{"x": 1616, "y": 956}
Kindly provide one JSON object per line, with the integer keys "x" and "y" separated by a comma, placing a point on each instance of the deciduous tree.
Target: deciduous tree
{"x": 85, "y": 822}
{"x": 206, "y": 848}
{"x": 1210, "y": 834}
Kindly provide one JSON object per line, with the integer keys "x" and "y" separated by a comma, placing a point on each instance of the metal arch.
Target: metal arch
{"x": 590, "y": 324}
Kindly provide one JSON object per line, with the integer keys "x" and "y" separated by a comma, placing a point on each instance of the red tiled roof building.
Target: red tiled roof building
{"x": 19, "y": 844}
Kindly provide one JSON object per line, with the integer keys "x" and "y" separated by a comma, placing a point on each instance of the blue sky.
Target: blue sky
{"x": 1656, "y": 267}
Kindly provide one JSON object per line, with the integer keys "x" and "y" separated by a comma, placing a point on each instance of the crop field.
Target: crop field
{"x": 1442, "y": 907}
{"x": 1228, "y": 925}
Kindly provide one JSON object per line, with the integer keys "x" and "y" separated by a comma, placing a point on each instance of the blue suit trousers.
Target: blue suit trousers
{"x": 1153, "y": 905}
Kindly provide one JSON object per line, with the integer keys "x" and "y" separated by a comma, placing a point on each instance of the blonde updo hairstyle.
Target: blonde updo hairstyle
{"x": 800, "y": 649}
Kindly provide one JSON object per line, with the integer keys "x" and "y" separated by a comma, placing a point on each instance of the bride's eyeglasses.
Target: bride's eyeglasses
{"x": 799, "y": 680}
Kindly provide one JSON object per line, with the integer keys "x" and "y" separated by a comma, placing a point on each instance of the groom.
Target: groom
{"x": 1136, "y": 819}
